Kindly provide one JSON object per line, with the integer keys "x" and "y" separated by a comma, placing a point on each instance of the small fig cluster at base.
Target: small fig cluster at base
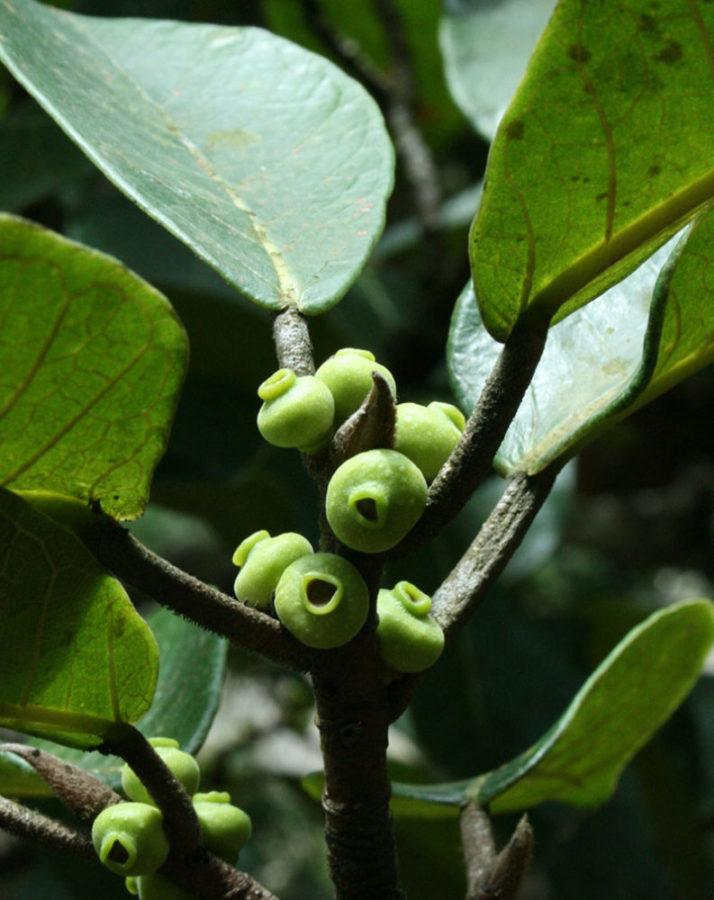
{"x": 129, "y": 837}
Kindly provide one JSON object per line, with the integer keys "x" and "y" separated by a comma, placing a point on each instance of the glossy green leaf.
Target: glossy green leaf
{"x": 628, "y": 697}
{"x": 192, "y": 665}
{"x": 486, "y": 45}
{"x": 75, "y": 657}
{"x": 605, "y": 360}
{"x": 91, "y": 363}
{"x": 605, "y": 152}
{"x": 267, "y": 160}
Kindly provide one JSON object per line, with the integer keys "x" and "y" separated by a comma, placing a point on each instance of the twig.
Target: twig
{"x": 419, "y": 164}
{"x": 468, "y": 582}
{"x": 352, "y": 719}
{"x": 208, "y": 607}
{"x": 485, "y": 429}
{"x": 26, "y": 823}
{"x": 81, "y": 792}
{"x": 508, "y": 870}
{"x": 293, "y": 346}
{"x": 478, "y": 845}
{"x": 180, "y": 822}
{"x": 372, "y": 426}
{"x": 494, "y": 545}
{"x": 349, "y": 53}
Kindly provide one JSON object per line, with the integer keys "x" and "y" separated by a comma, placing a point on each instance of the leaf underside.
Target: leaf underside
{"x": 267, "y": 160}
{"x": 605, "y": 360}
{"x": 486, "y": 48}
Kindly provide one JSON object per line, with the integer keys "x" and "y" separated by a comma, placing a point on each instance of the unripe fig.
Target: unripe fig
{"x": 409, "y": 639}
{"x": 156, "y": 887}
{"x": 428, "y": 434}
{"x": 322, "y": 600}
{"x": 374, "y": 499}
{"x": 348, "y": 375}
{"x": 129, "y": 838}
{"x": 262, "y": 561}
{"x": 296, "y": 412}
{"x": 225, "y": 828}
{"x": 183, "y": 765}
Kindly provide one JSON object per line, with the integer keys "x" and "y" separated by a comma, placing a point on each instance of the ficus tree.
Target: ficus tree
{"x": 591, "y": 294}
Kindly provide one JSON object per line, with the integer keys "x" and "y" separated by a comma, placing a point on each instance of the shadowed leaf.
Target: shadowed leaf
{"x": 75, "y": 657}
{"x": 91, "y": 362}
{"x": 618, "y": 709}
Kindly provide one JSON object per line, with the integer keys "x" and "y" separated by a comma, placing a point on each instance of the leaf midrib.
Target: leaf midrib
{"x": 676, "y": 209}
{"x": 288, "y": 285}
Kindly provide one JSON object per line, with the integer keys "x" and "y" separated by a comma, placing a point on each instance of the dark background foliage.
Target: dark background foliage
{"x": 628, "y": 529}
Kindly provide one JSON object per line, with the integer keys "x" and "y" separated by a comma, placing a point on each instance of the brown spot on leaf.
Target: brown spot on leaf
{"x": 515, "y": 129}
{"x": 648, "y": 24}
{"x": 654, "y": 170}
{"x": 578, "y": 53}
{"x": 601, "y": 196}
{"x": 670, "y": 53}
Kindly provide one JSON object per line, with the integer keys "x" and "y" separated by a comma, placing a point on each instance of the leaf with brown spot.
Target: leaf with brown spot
{"x": 604, "y": 153}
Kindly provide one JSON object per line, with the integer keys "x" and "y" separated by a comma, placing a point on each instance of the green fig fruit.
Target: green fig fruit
{"x": 409, "y": 638}
{"x": 183, "y": 765}
{"x": 129, "y": 838}
{"x": 348, "y": 375}
{"x": 374, "y": 499}
{"x": 262, "y": 561}
{"x": 322, "y": 600}
{"x": 296, "y": 412}
{"x": 225, "y": 827}
{"x": 428, "y": 434}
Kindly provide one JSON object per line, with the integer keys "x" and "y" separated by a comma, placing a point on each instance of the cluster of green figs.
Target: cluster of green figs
{"x": 373, "y": 500}
{"x": 129, "y": 837}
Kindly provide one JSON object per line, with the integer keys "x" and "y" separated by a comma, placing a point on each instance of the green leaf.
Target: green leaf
{"x": 75, "y": 657}
{"x": 604, "y": 361}
{"x": 486, "y": 47}
{"x": 19, "y": 779}
{"x": 192, "y": 665}
{"x": 618, "y": 709}
{"x": 604, "y": 153}
{"x": 92, "y": 363}
{"x": 628, "y": 697}
{"x": 268, "y": 161}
